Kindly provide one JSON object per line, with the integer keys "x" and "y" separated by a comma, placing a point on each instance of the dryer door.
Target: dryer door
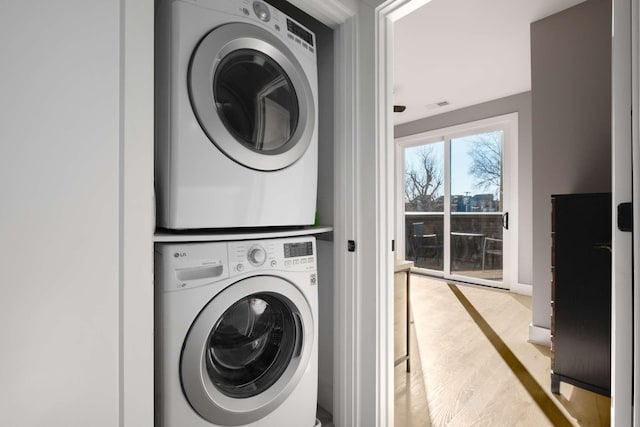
{"x": 247, "y": 350}
{"x": 252, "y": 97}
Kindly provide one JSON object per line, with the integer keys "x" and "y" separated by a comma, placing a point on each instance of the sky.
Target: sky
{"x": 461, "y": 181}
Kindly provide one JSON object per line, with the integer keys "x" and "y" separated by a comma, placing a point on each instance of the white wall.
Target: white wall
{"x": 62, "y": 245}
{"x": 329, "y": 12}
{"x": 59, "y": 227}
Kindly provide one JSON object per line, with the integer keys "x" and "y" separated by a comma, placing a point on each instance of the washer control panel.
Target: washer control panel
{"x": 189, "y": 265}
{"x": 292, "y": 254}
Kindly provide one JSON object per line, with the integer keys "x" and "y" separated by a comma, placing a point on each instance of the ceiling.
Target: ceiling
{"x": 464, "y": 52}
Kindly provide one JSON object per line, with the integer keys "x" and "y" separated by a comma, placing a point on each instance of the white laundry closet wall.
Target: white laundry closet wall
{"x": 67, "y": 125}
{"x": 62, "y": 254}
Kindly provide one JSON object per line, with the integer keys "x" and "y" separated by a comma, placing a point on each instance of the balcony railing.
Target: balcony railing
{"x": 476, "y": 242}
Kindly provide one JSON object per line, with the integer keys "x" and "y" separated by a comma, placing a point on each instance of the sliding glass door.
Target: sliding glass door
{"x": 476, "y": 206}
{"x": 455, "y": 200}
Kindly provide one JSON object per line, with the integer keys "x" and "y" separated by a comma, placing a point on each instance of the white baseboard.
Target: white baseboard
{"x": 522, "y": 289}
{"x": 539, "y": 335}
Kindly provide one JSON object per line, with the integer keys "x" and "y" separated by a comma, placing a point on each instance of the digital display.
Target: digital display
{"x": 300, "y": 32}
{"x": 292, "y": 250}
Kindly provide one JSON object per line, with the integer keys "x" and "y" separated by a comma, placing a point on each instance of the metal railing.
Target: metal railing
{"x": 424, "y": 240}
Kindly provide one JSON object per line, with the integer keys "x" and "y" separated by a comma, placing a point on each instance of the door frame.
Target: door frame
{"x": 624, "y": 408}
{"x": 137, "y": 209}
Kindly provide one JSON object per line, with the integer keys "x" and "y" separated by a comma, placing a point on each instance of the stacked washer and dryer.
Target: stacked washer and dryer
{"x": 236, "y": 156}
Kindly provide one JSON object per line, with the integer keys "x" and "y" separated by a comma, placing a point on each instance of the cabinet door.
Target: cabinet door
{"x": 582, "y": 305}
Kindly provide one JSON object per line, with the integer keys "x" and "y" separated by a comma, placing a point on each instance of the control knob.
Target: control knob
{"x": 257, "y": 256}
{"x": 261, "y": 11}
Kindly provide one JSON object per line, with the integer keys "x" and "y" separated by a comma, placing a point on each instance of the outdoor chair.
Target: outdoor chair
{"x": 491, "y": 246}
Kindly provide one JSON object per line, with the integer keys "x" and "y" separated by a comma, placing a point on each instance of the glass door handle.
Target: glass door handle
{"x": 505, "y": 220}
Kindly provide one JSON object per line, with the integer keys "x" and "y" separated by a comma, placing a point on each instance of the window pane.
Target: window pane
{"x": 476, "y": 173}
{"x": 476, "y": 205}
{"x": 424, "y": 204}
{"x": 424, "y": 178}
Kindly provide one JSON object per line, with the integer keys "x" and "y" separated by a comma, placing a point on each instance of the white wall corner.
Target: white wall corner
{"x": 522, "y": 289}
{"x": 539, "y": 335}
{"x": 330, "y": 12}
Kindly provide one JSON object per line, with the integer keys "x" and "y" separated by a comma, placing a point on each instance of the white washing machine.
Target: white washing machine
{"x": 236, "y": 333}
{"x": 236, "y": 116}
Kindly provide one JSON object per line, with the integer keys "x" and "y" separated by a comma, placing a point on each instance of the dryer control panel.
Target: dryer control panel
{"x": 292, "y": 254}
{"x": 298, "y": 36}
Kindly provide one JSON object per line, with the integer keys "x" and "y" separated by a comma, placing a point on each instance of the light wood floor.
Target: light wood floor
{"x": 471, "y": 364}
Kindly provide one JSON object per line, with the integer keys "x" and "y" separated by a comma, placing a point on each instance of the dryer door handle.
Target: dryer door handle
{"x": 299, "y": 333}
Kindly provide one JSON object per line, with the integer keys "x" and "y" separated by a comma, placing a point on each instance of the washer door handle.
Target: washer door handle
{"x": 299, "y": 333}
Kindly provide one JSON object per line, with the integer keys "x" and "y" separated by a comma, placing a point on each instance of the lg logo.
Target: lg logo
{"x": 179, "y": 254}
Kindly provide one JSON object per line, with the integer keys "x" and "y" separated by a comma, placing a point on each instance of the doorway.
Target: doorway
{"x": 624, "y": 396}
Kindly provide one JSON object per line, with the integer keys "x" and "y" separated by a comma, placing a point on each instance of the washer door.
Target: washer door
{"x": 251, "y": 96}
{"x": 247, "y": 350}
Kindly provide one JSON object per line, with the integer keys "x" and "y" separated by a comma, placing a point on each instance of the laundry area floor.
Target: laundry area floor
{"x": 471, "y": 364}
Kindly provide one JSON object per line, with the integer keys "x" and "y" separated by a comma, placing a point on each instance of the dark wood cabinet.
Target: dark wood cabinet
{"x": 581, "y": 291}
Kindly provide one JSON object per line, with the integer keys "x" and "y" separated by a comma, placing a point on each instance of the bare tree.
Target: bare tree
{"x": 423, "y": 182}
{"x": 486, "y": 162}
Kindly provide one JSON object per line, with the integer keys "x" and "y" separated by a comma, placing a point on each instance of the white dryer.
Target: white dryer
{"x": 236, "y": 116}
{"x": 236, "y": 333}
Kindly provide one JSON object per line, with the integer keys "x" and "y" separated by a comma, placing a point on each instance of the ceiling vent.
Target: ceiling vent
{"x": 437, "y": 105}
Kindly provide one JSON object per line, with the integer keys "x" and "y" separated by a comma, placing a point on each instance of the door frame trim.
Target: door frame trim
{"x": 624, "y": 134}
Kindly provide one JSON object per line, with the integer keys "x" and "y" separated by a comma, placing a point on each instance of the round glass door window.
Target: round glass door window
{"x": 252, "y": 96}
{"x": 256, "y": 100}
{"x": 251, "y": 345}
{"x": 247, "y": 350}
